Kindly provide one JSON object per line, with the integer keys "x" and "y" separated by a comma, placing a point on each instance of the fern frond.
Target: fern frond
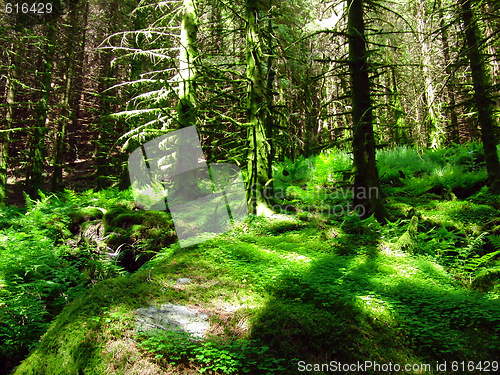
{"x": 495, "y": 241}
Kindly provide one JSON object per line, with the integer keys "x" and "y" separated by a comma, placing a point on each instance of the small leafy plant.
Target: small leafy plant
{"x": 224, "y": 355}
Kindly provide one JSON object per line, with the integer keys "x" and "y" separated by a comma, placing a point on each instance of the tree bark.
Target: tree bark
{"x": 67, "y": 99}
{"x": 431, "y": 126}
{"x": 482, "y": 93}
{"x": 35, "y": 173}
{"x": 259, "y": 147}
{"x": 186, "y": 187}
{"x": 452, "y": 131}
{"x": 367, "y": 192}
{"x": 78, "y": 82}
{"x": 9, "y": 120}
{"x": 186, "y": 107}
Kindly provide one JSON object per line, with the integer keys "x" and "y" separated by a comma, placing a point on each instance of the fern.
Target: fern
{"x": 473, "y": 247}
{"x": 470, "y": 261}
{"x": 495, "y": 241}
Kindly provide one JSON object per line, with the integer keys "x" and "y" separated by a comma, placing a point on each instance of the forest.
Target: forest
{"x": 249, "y": 187}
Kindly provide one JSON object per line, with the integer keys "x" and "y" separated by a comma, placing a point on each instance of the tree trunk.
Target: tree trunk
{"x": 452, "y": 131}
{"x": 35, "y": 173}
{"x": 186, "y": 107}
{"x": 77, "y": 86}
{"x": 186, "y": 185}
{"x": 9, "y": 120}
{"x": 66, "y": 101}
{"x": 259, "y": 147}
{"x": 367, "y": 193}
{"x": 104, "y": 124}
{"x": 482, "y": 93}
{"x": 271, "y": 75}
{"x": 431, "y": 127}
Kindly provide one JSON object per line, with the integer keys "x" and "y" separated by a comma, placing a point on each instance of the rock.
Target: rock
{"x": 170, "y": 316}
{"x": 183, "y": 280}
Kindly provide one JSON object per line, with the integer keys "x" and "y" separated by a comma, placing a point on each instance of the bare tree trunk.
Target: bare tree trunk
{"x": 367, "y": 193}
{"x": 482, "y": 93}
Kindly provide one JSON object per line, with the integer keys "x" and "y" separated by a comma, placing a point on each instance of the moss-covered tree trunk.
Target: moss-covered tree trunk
{"x": 367, "y": 193}
{"x": 9, "y": 120}
{"x": 37, "y": 146}
{"x": 187, "y": 185}
{"x": 77, "y": 81}
{"x": 431, "y": 127}
{"x": 482, "y": 92}
{"x": 66, "y": 100}
{"x": 259, "y": 177}
{"x": 186, "y": 107}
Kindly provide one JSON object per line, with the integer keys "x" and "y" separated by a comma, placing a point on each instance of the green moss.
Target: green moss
{"x": 407, "y": 240}
{"x": 487, "y": 279}
{"x": 346, "y": 296}
{"x": 86, "y": 214}
{"x": 75, "y": 342}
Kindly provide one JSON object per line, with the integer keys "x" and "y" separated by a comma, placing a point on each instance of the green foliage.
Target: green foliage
{"x": 327, "y": 168}
{"x": 224, "y": 355}
{"x": 331, "y": 167}
{"x": 459, "y": 169}
{"x": 41, "y": 268}
{"x": 292, "y": 172}
{"x": 37, "y": 282}
{"x": 470, "y": 258}
{"x": 346, "y": 296}
{"x": 495, "y": 241}
{"x": 406, "y": 159}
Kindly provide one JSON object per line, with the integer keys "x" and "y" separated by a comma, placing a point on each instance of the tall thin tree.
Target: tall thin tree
{"x": 367, "y": 192}
{"x": 259, "y": 148}
{"x": 9, "y": 116}
{"x": 482, "y": 91}
{"x": 37, "y": 146}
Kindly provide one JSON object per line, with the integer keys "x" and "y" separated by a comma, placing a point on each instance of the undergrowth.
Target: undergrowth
{"x": 310, "y": 286}
{"x": 221, "y": 355}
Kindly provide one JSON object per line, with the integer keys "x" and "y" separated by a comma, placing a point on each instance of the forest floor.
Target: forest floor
{"x": 283, "y": 294}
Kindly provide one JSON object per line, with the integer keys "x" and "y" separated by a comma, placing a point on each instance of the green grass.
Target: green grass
{"x": 301, "y": 298}
{"x": 303, "y": 287}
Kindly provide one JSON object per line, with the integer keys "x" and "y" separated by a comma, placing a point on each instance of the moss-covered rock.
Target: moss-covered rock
{"x": 487, "y": 280}
{"x": 407, "y": 239}
{"x": 77, "y": 340}
{"x": 83, "y": 215}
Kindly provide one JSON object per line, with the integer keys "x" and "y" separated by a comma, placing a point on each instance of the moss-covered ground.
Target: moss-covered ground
{"x": 283, "y": 293}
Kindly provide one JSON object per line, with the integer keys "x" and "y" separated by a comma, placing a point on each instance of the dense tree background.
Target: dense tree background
{"x": 88, "y": 82}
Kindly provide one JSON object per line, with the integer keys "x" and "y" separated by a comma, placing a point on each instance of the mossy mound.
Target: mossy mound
{"x": 296, "y": 296}
{"x": 138, "y": 235}
{"x": 487, "y": 280}
{"x": 131, "y": 236}
{"x": 78, "y": 340}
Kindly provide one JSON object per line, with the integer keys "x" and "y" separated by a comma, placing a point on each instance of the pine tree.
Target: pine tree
{"x": 367, "y": 192}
